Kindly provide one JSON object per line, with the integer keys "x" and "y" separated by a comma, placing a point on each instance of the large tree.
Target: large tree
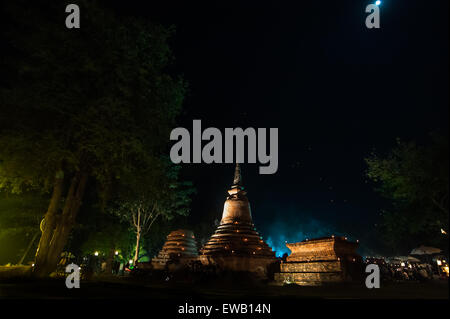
{"x": 415, "y": 178}
{"x": 80, "y": 106}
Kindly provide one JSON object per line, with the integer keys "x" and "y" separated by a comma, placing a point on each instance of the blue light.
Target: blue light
{"x": 378, "y": 2}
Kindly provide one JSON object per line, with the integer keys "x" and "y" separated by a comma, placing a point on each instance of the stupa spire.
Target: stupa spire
{"x": 237, "y": 181}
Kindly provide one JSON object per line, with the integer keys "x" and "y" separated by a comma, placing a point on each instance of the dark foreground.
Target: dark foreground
{"x": 123, "y": 288}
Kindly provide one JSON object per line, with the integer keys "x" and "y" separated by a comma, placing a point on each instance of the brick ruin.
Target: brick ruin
{"x": 321, "y": 261}
{"x": 179, "y": 249}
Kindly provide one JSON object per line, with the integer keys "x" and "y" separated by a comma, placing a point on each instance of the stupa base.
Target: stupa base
{"x": 172, "y": 264}
{"x": 257, "y": 265}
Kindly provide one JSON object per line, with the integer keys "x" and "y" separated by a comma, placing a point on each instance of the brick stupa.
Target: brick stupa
{"x": 321, "y": 261}
{"x": 180, "y": 248}
{"x": 236, "y": 245}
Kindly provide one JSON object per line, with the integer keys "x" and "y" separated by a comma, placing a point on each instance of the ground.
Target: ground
{"x": 127, "y": 288}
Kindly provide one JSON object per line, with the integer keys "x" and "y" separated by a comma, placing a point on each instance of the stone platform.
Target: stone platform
{"x": 321, "y": 261}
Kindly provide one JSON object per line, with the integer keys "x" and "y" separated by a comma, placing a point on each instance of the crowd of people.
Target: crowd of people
{"x": 407, "y": 271}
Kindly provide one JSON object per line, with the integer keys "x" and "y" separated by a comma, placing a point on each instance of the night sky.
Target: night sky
{"x": 335, "y": 89}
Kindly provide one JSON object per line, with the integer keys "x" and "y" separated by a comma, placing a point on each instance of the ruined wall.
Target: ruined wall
{"x": 320, "y": 261}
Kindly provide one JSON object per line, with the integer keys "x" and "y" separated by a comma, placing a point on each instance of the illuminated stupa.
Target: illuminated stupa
{"x": 180, "y": 248}
{"x": 236, "y": 245}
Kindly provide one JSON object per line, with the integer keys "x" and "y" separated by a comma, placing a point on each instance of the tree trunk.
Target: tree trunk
{"x": 49, "y": 222}
{"x": 136, "y": 254}
{"x": 138, "y": 236}
{"x": 64, "y": 225}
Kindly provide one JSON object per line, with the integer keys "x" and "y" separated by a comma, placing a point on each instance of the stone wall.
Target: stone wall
{"x": 320, "y": 261}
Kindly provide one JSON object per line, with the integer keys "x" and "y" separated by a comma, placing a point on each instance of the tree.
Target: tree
{"x": 90, "y": 104}
{"x": 415, "y": 178}
{"x": 141, "y": 205}
{"x": 143, "y": 218}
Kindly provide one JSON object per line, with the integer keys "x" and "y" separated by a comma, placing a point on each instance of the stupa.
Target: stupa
{"x": 236, "y": 245}
{"x": 321, "y": 261}
{"x": 180, "y": 248}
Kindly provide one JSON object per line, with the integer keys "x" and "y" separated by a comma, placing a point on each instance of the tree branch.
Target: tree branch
{"x": 439, "y": 205}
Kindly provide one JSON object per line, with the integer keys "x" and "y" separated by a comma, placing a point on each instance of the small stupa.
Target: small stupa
{"x": 180, "y": 248}
{"x": 236, "y": 245}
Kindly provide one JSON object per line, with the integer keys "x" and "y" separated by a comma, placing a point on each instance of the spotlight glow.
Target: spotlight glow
{"x": 378, "y": 2}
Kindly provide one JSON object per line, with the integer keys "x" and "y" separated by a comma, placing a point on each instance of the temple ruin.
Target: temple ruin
{"x": 236, "y": 245}
{"x": 180, "y": 248}
{"x": 321, "y": 261}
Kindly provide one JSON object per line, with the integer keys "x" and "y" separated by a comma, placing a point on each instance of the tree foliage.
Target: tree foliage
{"x": 109, "y": 235}
{"x": 95, "y": 98}
{"x": 415, "y": 178}
{"x": 91, "y": 105}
